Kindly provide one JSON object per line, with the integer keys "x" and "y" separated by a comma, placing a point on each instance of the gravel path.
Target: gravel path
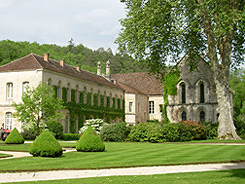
{"x": 71, "y": 174}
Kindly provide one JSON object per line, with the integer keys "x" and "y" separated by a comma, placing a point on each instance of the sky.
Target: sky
{"x": 93, "y": 23}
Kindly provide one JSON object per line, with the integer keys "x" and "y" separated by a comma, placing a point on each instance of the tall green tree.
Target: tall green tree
{"x": 39, "y": 105}
{"x": 156, "y": 29}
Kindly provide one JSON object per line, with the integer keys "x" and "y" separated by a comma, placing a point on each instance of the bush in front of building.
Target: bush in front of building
{"x": 56, "y": 127}
{"x": 14, "y": 137}
{"x": 70, "y": 137}
{"x": 176, "y": 132}
{"x": 146, "y": 132}
{"x": 28, "y": 134}
{"x": 90, "y": 141}
{"x": 116, "y": 132}
{"x": 196, "y": 129}
{"x": 96, "y": 124}
{"x": 45, "y": 145}
{"x": 211, "y": 130}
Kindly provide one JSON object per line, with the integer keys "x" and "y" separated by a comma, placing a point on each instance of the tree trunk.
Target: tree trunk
{"x": 38, "y": 122}
{"x": 226, "y": 129}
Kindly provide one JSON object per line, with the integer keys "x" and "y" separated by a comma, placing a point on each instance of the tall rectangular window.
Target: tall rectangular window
{"x": 9, "y": 90}
{"x": 130, "y": 107}
{"x": 9, "y": 120}
{"x": 161, "y": 108}
{"x": 151, "y": 107}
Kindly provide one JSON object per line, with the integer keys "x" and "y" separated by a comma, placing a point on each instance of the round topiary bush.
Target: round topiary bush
{"x": 90, "y": 141}
{"x": 45, "y": 145}
{"x": 14, "y": 137}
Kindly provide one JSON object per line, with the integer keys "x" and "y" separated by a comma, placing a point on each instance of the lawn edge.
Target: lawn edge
{"x": 118, "y": 167}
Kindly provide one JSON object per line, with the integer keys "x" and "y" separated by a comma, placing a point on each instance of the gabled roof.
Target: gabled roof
{"x": 129, "y": 89}
{"x": 34, "y": 62}
{"x": 142, "y": 81}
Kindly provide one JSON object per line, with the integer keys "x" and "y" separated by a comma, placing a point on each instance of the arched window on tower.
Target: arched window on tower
{"x": 202, "y": 97}
{"x": 183, "y": 93}
{"x": 202, "y": 116}
{"x": 183, "y": 116}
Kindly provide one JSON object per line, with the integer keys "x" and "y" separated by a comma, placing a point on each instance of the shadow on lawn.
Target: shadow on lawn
{"x": 237, "y": 173}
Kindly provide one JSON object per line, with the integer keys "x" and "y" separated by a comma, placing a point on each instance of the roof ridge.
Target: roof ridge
{"x": 15, "y": 60}
{"x": 34, "y": 56}
{"x": 135, "y": 89}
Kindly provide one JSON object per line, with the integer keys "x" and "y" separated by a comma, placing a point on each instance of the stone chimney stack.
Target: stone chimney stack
{"x": 99, "y": 68}
{"x": 46, "y": 57}
{"x": 108, "y": 73}
{"x": 62, "y": 63}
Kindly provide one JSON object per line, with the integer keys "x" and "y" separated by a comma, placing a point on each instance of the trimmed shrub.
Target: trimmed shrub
{"x": 116, "y": 132}
{"x": 46, "y": 146}
{"x": 239, "y": 122}
{"x": 146, "y": 132}
{"x": 14, "y": 137}
{"x": 211, "y": 130}
{"x": 56, "y": 127}
{"x": 196, "y": 129}
{"x": 70, "y": 137}
{"x": 28, "y": 134}
{"x": 176, "y": 132}
{"x": 90, "y": 141}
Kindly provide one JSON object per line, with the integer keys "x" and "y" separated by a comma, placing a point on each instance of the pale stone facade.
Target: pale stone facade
{"x": 196, "y": 94}
{"x": 158, "y": 101}
{"x": 32, "y": 70}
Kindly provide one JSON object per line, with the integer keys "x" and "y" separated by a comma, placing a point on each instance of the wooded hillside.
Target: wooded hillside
{"x": 72, "y": 54}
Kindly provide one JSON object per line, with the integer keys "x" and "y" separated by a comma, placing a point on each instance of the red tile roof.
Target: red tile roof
{"x": 129, "y": 89}
{"x": 142, "y": 81}
{"x": 33, "y": 62}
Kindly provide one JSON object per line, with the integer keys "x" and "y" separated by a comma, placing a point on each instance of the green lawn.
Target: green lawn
{"x": 227, "y": 176}
{"x": 15, "y": 147}
{"x": 4, "y": 155}
{"x": 131, "y": 154}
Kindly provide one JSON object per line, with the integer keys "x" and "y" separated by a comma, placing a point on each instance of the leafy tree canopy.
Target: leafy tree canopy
{"x": 38, "y": 105}
{"x": 72, "y": 54}
{"x": 161, "y": 30}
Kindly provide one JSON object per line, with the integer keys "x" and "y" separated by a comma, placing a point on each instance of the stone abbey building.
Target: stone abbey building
{"x": 133, "y": 97}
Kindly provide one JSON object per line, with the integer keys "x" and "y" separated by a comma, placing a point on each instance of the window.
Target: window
{"x": 202, "y": 116}
{"x": 9, "y": 120}
{"x": 9, "y": 90}
{"x": 183, "y": 93}
{"x": 161, "y": 108}
{"x": 24, "y": 87}
{"x": 183, "y": 116}
{"x": 130, "y": 107}
{"x": 202, "y": 98}
{"x": 151, "y": 107}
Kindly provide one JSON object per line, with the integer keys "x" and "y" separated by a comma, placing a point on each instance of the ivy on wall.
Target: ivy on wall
{"x": 84, "y": 111}
{"x": 55, "y": 90}
{"x": 64, "y": 94}
{"x": 102, "y": 100}
{"x": 95, "y": 98}
{"x": 169, "y": 88}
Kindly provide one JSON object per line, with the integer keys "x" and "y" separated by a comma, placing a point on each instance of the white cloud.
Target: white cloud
{"x": 112, "y": 31}
{"x": 5, "y": 3}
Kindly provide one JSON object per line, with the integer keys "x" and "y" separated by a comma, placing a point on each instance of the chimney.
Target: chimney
{"x": 108, "y": 73}
{"x": 78, "y": 68}
{"x": 115, "y": 81}
{"x": 46, "y": 57}
{"x": 99, "y": 68}
{"x": 62, "y": 63}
